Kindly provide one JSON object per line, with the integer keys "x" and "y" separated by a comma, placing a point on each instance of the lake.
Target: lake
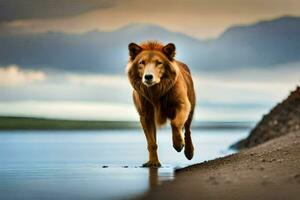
{"x": 96, "y": 164}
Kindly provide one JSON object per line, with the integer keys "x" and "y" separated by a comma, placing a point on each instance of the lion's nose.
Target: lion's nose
{"x": 148, "y": 77}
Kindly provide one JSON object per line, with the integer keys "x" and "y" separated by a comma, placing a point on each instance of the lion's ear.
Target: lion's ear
{"x": 134, "y": 50}
{"x": 169, "y": 50}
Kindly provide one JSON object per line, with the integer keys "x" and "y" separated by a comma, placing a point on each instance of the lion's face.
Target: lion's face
{"x": 152, "y": 65}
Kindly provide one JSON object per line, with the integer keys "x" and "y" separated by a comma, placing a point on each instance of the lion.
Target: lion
{"x": 162, "y": 90}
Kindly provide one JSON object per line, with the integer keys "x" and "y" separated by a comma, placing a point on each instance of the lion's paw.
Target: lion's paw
{"x": 189, "y": 148}
{"x": 178, "y": 144}
{"x": 189, "y": 152}
{"x": 152, "y": 163}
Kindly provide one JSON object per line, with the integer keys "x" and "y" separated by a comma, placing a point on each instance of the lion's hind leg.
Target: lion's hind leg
{"x": 189, "y": 147}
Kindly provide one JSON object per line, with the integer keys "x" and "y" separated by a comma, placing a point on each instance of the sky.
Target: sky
{"x": 239, "y": 95}
{"x": 242, "y": 95}
{"x": 197, "y": 18}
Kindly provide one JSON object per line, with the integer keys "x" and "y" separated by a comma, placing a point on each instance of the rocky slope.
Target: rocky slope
{"x": 282, "y": 119}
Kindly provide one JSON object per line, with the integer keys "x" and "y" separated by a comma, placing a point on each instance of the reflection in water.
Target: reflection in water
{"x": 158, "y": 175}
{"x": 153, "y": 177}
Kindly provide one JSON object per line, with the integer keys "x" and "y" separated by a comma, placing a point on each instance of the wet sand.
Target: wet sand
{"x": 268, "y": 171}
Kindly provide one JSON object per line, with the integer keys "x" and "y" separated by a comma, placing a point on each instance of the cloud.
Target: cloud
{"x": 235, "y": 96}
{"x": 70, "y": 110}
{"x": 13, "y": 76}
{"x": 198, "y": 18}
{"x": 250, "y": 86}
{"x": 11, "y": 10}
{"x": 98, "y": 80}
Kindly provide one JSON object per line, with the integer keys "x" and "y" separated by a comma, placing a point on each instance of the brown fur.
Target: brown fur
{"x": 172, "y": 97}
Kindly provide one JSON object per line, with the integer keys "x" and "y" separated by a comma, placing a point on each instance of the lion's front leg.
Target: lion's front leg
{"x": 177, "y": 136}
{"x": 149, "y": 128}
{"x": 177, "y": 124}
{"x": 146, "y": 112}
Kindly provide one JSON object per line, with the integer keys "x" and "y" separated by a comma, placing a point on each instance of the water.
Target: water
{"x": 95, "y": 164}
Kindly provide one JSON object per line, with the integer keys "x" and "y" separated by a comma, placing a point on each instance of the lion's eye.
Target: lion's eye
{"x": 142, "y": 62}
{"x": 158, "y": 62}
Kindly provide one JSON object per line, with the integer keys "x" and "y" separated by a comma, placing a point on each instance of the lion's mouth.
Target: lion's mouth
{"x": 149, "y": 83}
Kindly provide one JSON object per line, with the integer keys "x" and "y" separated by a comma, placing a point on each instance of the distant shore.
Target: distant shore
{"x": 32, "y": 123}
{"x": 268, "y": 171}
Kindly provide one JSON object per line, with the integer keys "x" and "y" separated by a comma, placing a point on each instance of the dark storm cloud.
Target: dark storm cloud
{"x": 30, "y": 9}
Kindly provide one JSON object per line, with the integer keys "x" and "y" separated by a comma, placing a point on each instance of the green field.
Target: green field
{"x": 29, "y": 123}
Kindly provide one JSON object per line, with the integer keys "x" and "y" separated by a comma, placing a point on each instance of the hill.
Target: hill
{"x": 263, "y": 45}
{"x": 33, "y": 123}
{"x": 30, "y": 123}
{"x": 282, "y": 119}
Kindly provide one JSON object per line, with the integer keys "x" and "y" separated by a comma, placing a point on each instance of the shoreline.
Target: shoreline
{"x": 9, "y": 123}
{"x": 268, "y": 171}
